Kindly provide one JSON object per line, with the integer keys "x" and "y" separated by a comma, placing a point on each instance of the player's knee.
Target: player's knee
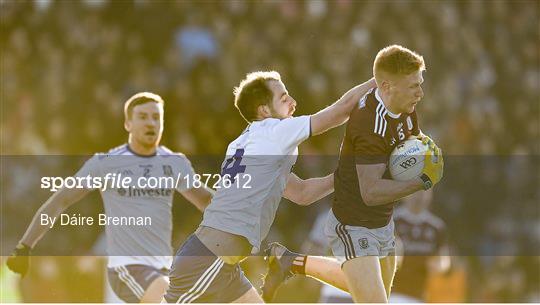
{"x": 368, "y": 291}
{"x": 363, "y": 295}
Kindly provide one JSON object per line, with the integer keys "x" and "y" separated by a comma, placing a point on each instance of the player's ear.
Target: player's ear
{"x": 127, "y": 125}
{"x": 264, "y": 111}
{"x": 385, "y": 85}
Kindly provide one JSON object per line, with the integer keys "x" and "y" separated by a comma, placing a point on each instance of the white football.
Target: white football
{"x": 407, "y": 160}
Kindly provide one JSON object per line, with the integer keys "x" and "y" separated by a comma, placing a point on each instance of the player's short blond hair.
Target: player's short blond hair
{"x": 139, "y": 99}
{"x": 396, "y": 60}
{"x": 252, "y": 92}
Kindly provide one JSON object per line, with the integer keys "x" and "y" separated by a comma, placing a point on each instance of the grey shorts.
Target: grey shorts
{"x": 131, "y": 281}
{"x": 348, "y": 242}
{"x": 198, "y": 276}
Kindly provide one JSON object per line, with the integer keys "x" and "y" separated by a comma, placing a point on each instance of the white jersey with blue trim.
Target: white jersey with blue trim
{"x": 143, "y": 228}
{"x": 260, "y": 160}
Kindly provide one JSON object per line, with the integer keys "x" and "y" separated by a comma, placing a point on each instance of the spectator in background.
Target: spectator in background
{"x": 425, "y": 247}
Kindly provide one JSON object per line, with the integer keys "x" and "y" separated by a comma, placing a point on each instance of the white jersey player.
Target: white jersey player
{"x": 262, "y": 157}
{"x": 138, "y": 218}
{"x": 259, "y": 163}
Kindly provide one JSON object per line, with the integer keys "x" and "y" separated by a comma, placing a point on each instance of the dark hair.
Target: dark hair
{"x": 252, "y": 92}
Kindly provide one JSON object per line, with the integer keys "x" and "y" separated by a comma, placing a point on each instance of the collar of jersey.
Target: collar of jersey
{"x": 139, "y": 155}
{"x": 390, "y": 114}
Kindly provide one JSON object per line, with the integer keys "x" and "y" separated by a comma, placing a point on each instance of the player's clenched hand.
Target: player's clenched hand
{"x": 20, "y": 259}
{"x": 433, "y": 167}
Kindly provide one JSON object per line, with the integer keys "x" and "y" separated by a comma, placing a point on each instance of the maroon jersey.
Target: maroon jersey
{"x": 423, "y": 235}
{"x": 371, "y": 134}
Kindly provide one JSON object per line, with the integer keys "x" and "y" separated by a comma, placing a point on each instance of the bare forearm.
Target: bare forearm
{"x": 384, "y": 191}
{"x": 36, "y": 231}
{"x": 342, "y": 108}
{"x": 339, "y": 112}
{"x": 318, "y": 188}
{"x": 205, "y": 199}
{"x": 351, "y": 97}
{"x": 55, "y": 205}
{"x": 199, "y": 197}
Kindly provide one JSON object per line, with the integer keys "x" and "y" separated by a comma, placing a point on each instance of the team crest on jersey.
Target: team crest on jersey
{"x": 125, "y": 172}
{"x": 363, "y": 242}
{"x": 167, "y": 170}
{"x": 409, "y": 123}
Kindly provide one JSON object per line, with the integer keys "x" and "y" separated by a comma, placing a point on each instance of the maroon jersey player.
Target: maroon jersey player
{"x": 360, "y": 227}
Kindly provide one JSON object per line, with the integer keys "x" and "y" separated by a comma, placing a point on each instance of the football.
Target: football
{"x": 407, "y": 160}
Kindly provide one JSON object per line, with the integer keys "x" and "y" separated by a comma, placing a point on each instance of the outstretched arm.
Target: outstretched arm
{"x": 55, "y": 205}
{"x": 339, "y": 112}
{"x": 199, "y": 197}
{"x": 306, "y": 192}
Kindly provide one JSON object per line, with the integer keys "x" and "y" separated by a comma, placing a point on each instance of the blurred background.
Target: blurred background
{"x": 68, "y": 66}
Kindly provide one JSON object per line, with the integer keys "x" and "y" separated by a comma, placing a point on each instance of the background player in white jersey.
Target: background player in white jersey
{"x": 206, "y": 267}
{"x": 139, "y": 256}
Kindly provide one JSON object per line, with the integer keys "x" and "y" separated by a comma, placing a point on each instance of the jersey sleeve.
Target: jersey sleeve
{"x": 90, "y": 168}
{"x": 290, "y": 132}
{"x": 369, "y": 149}
{"x": 186, "y": 173}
